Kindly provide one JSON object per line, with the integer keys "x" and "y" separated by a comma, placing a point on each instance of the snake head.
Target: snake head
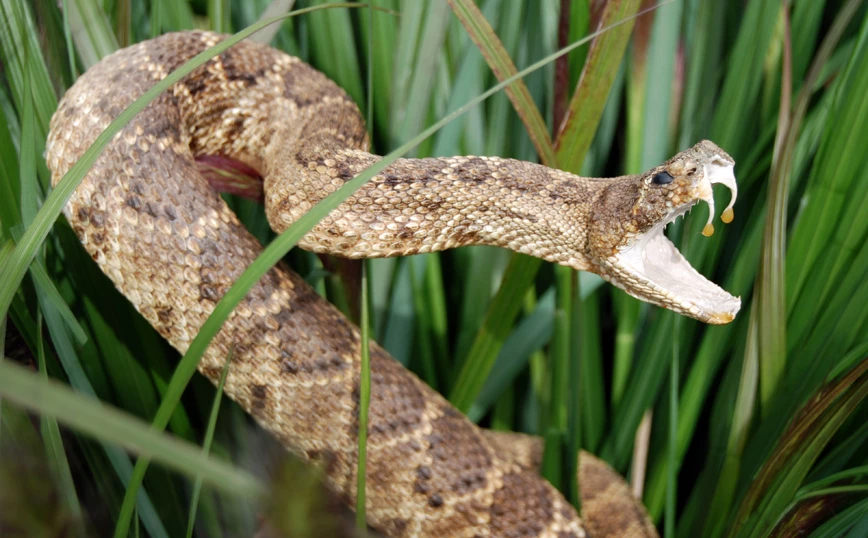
{"x": 627, "y": 245}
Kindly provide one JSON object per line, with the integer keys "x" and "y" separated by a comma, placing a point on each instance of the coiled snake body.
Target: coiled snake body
{"x": 172, "y": 246}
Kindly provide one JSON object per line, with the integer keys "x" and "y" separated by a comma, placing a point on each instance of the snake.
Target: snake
{"x": 164, "y": 236}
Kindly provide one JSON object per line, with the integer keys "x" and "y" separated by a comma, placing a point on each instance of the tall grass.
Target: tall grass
{"x": 754, "y": 429}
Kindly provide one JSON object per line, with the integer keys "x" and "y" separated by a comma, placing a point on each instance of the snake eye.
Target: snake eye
{"x": 662, "y": 178}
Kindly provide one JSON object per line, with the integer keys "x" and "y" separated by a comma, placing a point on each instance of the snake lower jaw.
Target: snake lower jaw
{"x": 653, "y": 270}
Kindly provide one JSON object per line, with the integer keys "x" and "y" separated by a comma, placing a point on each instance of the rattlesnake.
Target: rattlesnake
{"x": 172, "y": 246}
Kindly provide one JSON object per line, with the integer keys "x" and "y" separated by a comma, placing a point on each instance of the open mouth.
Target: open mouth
{"x": 668, "y": 277}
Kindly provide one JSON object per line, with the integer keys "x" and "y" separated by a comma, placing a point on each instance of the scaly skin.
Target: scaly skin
{"x": 172, "y": 246}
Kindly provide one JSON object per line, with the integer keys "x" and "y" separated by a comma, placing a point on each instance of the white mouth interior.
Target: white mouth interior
{"x": 655, "y": 259}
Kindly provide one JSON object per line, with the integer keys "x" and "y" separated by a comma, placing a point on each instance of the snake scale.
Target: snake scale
{"x": 169, "y": 243}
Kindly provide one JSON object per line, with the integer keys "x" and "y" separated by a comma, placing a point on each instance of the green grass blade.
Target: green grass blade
{"x": 777, "y": 483}
{"x": 405, "y": 55}
{"x": 430, "y": 314}
{"x": 381, "y": 48}
{"x": 480, "y": 272}
{"x": 364, "y": 403}
{"x": 32, "y": 498}
{"x": 849, "y": 523}
{"x": 333, "y": 48}
{"x": 562, "y": 420}
{"x": 499, "y": 127}
{"x": 31, "y": 192}
{"x": 123, "y": 23}
{"x": 806, "y": 20}
{"x": 531, "y": 334}
{"x": 703, "y": 43}
{"x": 672, "y": 479}
{"x": 156, "y": 18}
{"x": 493, "y": 333}
{"x": 593, "y": 385}
{"x": 53, "y": 441}
{"x": 91, "y": 31}
{"x": 72, "y": 366}
{"x": 559, "y": 410}
{"x": 464, "y": 136}
{"x": 501, "y": 64}
{"x": 420, "y": 89}
{"x": 845, "y": 453}
{"x": 17, "y": 35}
{"x": 365, "y": 329}
{"x": 505, "y": 305}
{"x": 10, "y": 189}
{"x": 742, "y": 417}
{"x": 425, "y": 352}
{"x": 52, "y": 296}
{"x": 835, "y": 170}
{"x": 206, "y": 445}
{"x": 821, "y": 487}
{"x": 436, "y": 306}
{"x": 586, "y": 105}
{"x": 400, "y": 321}
{"x": 770, "y": 303}
{"x": 771, "y": 320}
{"x": 5, "y": 254}
{"x": 67, "y": 36}
{"x": 740, "y": 93}
{"x": 274, "y": 9}
{"x": 48, "y": 213}
{"x": 218, "y": 16}
{"x": 725, "y": 85}
{"x": 174, "y": 16}
{"x": 276, "y": 249}
{"x": 53, "y": 399}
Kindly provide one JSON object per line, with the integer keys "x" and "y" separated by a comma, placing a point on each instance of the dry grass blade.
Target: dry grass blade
{"x": 810, "y": 429}
{"x": 809, "y": 513}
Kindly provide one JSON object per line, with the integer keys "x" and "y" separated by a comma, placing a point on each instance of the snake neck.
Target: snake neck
{"x": 419, "y": 205}
{"x": 426, "y": 205}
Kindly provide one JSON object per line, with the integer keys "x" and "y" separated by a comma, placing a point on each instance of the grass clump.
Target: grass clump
{"x": 751, "y": 429}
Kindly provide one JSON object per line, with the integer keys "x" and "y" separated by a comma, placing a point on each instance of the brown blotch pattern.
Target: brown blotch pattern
{"x": 173, "y": 247}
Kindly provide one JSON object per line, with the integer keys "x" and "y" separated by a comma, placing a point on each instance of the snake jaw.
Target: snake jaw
{"x": 645, "y": 263}
{"x": 653, "y": 264}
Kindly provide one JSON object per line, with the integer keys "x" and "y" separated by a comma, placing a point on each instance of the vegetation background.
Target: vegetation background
{"x": 757, "y": 428}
